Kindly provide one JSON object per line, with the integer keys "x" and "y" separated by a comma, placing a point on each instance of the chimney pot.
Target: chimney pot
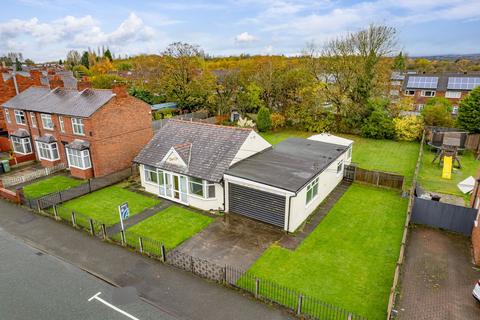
{"x": 56, "y": 82}
{"x": 83, "y": 84}
{"x": 120, "y": 91}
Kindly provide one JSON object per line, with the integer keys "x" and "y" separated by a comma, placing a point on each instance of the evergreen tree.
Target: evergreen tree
{"x": 18, "y": 65}
{"x": 108, "y": 55}
{"x": 400, "y": 62}
{"x": 469, "y": 112}
{"x": 264, "y": 120}
{"x": 85, "y": 62}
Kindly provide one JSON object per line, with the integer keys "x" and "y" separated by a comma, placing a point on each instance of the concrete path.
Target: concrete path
{"x": 438, "y": 277}
{"x": 290, "y": 241}
{"x": 176, "y": 292}
{"x": 139, "y": 217}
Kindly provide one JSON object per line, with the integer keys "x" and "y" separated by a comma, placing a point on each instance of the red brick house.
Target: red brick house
{"x": 95, "y": 132}
{"x": 453, "y": 86}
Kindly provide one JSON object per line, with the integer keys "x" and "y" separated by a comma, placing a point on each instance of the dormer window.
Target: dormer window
{"x": 47, "y": 122}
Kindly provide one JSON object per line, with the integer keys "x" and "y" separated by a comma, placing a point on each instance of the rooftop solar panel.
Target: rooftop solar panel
{"x": 422, "y": 82}
{"x": 463, "y": 83}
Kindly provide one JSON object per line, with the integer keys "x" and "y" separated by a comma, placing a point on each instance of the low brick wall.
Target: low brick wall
{"x": 9, "y": 195}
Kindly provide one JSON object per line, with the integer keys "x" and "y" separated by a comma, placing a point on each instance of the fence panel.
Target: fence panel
{"x": 11, "y": 181}
{"x": 377, "y": 178}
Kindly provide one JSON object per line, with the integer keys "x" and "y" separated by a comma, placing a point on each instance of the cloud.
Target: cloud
{"x": 244, "y": 37}
{"x": 76, "y": 32}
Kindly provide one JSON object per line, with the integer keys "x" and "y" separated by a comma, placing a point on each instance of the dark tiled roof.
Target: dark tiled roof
{"x": 78, "y": 144}
{"x": 211, "y": 152}
{"x": 21, "y": 133}
{"x": 289, "y": 165}
{"x": 47, "y": 138}
{"x": 60, "y": 101}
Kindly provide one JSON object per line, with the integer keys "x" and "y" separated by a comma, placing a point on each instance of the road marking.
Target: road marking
{"x": 111, "y": 306}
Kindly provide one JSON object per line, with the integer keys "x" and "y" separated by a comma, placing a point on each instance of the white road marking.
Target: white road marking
{"x": 112, "y": 306}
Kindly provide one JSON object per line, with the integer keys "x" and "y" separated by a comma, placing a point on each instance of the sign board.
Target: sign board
{"x": 124, "y": 213}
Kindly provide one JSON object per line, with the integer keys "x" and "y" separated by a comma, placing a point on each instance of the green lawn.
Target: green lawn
{"x": 384, "y": 155}
{"x": 171, "y": 226}
{"x": 50, "y": 185}
{"x": 102, "y": 205}
{"x": 430, "y": 177}
{"x": 350, "y": 258}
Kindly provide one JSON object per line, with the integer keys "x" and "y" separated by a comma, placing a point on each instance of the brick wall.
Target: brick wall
{"x": 418, "y": 99}
{"x": 9, "y": 195}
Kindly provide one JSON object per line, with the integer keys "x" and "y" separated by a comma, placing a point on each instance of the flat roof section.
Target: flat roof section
{"x": 289, "y": 165}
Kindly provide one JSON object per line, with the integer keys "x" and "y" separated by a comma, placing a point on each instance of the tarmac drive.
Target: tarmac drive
{"x": 35, "y": 285}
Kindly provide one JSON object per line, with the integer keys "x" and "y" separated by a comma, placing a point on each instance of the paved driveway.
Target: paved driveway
{"x": 235, "y": 241}
{"x": 438, "y": 277}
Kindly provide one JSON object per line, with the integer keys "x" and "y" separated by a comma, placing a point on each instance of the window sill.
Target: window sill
{"x": 23, "y": 154}
{"x": 70, "y": 166}
{"x": 51, "y": 160}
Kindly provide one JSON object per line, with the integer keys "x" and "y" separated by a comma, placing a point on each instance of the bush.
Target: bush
{"x": 278, "y": 121}
{"x": 245, "y": 123}
{"x": 264, "y": 120}
{"x": 106, "y": 81}
{"x": 469, "y": 112}
{"x": 378, "y": 126}
{"x": 408, "y": 128}
{"x": 438, "y": 112}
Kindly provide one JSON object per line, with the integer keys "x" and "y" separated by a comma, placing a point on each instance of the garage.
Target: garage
{"x": 256, "y": 204}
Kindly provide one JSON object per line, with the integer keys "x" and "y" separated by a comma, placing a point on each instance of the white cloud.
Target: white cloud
{"x": 245, "y": 37}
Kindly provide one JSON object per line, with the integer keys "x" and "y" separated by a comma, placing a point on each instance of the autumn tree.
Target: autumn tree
{"x": 400, "y": 62}
{"x": 469, "y": 112}
{"x": 73, "y": 58}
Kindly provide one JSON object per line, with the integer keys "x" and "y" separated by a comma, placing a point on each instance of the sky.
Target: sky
{"x": 46, "y": 30}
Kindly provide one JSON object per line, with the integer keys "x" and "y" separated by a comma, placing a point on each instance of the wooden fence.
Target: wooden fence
{"x": 377, "y": 178}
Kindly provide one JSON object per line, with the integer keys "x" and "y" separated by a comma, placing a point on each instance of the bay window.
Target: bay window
{"x": 47, "y": 151}
{"x": 77, "y": 126}
{"x": 312, "y": 190}
{"x": 151, "y": 174}
{"x": 20, "y": 117}
{"x": 79, "y": 158}
{"x": 21, "y": 145}
{"x": 47, "y": 122}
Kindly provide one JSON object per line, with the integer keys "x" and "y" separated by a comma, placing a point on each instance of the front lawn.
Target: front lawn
{"x": 430, "y": 177}
{"x": 102, "y": 205}
{"x": 384, "y": 155}
{"x": 350, "y": 258}
{"x": 50, "y": 185}
{"x": 171, "y": 226}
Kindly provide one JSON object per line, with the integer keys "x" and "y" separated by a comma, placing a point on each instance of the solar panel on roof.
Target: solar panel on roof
{"x": 463, "y": 83}
{"x": 422, "y": 82}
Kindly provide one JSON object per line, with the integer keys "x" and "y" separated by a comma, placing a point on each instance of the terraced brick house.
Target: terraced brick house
{"x": 95, "y": 132}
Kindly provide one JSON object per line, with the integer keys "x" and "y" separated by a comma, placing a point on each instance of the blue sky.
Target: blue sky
{"x": 46, "y": 30}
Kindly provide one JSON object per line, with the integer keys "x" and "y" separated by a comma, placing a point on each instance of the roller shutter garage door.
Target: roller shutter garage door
{"x": 260, "y": 205}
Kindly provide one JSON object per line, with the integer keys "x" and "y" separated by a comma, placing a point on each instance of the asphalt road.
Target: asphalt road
{"x": 35, "y": 285}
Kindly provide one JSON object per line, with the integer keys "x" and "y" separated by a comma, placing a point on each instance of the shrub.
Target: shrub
{"x": 438, "y": 112}
{"x": 245, "y": 123}
{"x": 378, "y": 126}
{"x": 469, "y": 112}
{"x": 264, "y": 120}
{"x": 106, "y": 81}
{"x": 278, "y": 121}
{"x": 408, "y": 128}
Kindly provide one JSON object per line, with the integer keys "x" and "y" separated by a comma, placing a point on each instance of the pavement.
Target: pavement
{"x": 438, "y": 277}
{"x": 178, "y": 293}
{"x": 38, "y": 286}
{"x": 235, "y": 241}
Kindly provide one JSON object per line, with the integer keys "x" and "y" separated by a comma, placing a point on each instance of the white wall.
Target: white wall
{"x": 328, "y": 180}
{"x": 252, "y": 145}
{"x": 194, "y": 201}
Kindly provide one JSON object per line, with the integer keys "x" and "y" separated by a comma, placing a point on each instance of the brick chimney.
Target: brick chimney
{"x": 120, "y": 91}
{"x": 36, "y": 75}
{"x": 56, "y": 82}
{"x": 83, "y": 84}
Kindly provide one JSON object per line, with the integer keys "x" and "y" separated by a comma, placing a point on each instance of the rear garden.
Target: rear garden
{"x": 350, "y": 258}
{"x": 371, "y": 154}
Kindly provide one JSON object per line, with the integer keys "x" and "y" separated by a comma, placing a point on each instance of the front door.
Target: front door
{"x": 174, "y": 187}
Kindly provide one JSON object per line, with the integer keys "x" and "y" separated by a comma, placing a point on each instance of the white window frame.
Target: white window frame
{"x": 420, "y": 107}
{"x": 409, "y": 93}
{"x": 23, "y": 142}
{"x": 20, "y": 117}
{"x": 340, "y": 166}
{"x": 454, "y": 109}
{"x": 48, "y": 151}
{"x": 423, "y": 93}
{"x": 396, "y": 83}
{"x": 47, "y": 118}
{"x": 7, "y": 116}
{"x": 80, "y": 157}
{"x": 313, "y": 187}
{"x": 62, "y": 123}
{"x": 78, "y": 127}
{"x": 147, "y": 170}
{"x": 206, "y": 188}
{"x": 33, "y": 119}
{"x": 453, "y": 94}
{"x": 349, "y": 153}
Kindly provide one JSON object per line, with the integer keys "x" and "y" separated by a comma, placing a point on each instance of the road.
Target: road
{"x": 35, "y": 285}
